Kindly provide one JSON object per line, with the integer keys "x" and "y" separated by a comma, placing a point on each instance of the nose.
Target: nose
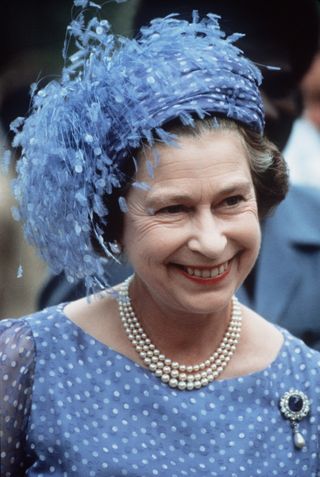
{"x": 207, "y": 235}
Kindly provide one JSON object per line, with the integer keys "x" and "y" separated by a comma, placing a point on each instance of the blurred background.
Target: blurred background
{"x": 31, "y": 37}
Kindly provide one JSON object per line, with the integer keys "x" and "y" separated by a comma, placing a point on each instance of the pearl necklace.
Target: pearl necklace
{"x": 177, "y": 375}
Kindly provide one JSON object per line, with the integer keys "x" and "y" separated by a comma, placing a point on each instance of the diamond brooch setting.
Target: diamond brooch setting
{"x": 294, "y": 406}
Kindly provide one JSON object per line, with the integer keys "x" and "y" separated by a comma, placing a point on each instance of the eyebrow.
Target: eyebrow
{"x": 172, "y": 196}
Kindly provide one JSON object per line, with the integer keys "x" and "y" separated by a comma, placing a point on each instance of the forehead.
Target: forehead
{"x": 211, "y": 156}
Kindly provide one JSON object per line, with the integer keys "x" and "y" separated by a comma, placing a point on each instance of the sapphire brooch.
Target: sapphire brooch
{"x": 295, "y": 405}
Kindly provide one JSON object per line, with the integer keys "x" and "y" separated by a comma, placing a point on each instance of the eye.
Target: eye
{"x": 173, "y": 209}
{"x": 233, "y": 200}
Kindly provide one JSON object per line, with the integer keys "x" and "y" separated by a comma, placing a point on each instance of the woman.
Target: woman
{"x": 154, "y": 150}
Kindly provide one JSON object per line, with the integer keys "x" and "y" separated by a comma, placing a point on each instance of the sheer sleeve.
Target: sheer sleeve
{"x": 17, "y": 358}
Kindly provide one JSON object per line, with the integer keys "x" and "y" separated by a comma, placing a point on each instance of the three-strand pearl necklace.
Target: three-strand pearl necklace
{"x": 177, "y": 375}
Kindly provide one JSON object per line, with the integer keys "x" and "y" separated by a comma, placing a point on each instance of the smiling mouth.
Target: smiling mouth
{"x": 205, "y": 272}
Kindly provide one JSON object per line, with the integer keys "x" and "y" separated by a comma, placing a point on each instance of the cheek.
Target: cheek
{"x": 248, "y": 229}
{"x": 146, "y": 237}
{"x": 252, "y": 233}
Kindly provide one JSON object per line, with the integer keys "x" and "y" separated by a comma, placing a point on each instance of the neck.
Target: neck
{"x": 182, "y": 336}
{"x": 169, "y": 369}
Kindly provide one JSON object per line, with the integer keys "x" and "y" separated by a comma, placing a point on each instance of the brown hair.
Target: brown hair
{"x": 268, "y": 167}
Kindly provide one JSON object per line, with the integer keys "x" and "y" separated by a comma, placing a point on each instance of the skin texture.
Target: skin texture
{"x": 199, "y": 211}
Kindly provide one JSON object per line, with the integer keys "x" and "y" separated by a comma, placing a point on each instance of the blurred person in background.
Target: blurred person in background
{"x": 31, "y": 37}
{"x": 7, "y": 250}
{"x": 17, "y": 292}
{"x": 18, "y": 289}
{"x": 303, "y": 149}
{"x": 284, "y": 284}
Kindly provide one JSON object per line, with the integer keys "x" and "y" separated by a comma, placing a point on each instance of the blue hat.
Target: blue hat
{"x": 116, "y": 94}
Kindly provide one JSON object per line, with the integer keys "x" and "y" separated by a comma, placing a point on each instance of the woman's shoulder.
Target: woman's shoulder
{"x": 32, "y": 317}
{"x": 266, "y": 345}
{"x": 18, "y": 349}
{"x": 98, "y": 318}
{"x": 297, "y": 352}
{"x": 16, "y": 340}
{"x": 22, "y": 330}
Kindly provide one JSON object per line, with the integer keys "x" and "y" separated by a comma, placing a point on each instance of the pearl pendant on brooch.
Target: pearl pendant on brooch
{"x": 295, "y": 405}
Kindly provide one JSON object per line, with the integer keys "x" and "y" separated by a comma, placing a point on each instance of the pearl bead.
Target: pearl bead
{"x": 298, "y": 440}
{"x": 175, "y": 373}
{"x": 165, "y": 378}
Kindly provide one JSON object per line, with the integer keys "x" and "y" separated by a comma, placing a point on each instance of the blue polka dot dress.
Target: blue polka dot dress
{"x": 72, "y": 407}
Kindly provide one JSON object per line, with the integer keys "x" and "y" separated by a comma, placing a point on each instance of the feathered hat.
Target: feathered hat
{"x": 114, "y": 94}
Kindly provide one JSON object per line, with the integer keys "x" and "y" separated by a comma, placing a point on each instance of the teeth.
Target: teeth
{"x": 206, "y": 273}
{"x": 214, "y": 272}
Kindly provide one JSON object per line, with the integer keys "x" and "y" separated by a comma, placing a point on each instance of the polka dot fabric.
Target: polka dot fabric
{"x": 72, "y": 407}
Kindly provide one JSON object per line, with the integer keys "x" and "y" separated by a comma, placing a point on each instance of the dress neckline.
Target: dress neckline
{"x": 118, "y": 355}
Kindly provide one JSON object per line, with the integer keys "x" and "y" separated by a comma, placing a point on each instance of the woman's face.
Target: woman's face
{"x": 194, "y": 235}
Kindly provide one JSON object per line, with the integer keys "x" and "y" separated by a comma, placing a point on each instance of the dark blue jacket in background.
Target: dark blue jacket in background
{"x": 287, "y": 275}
